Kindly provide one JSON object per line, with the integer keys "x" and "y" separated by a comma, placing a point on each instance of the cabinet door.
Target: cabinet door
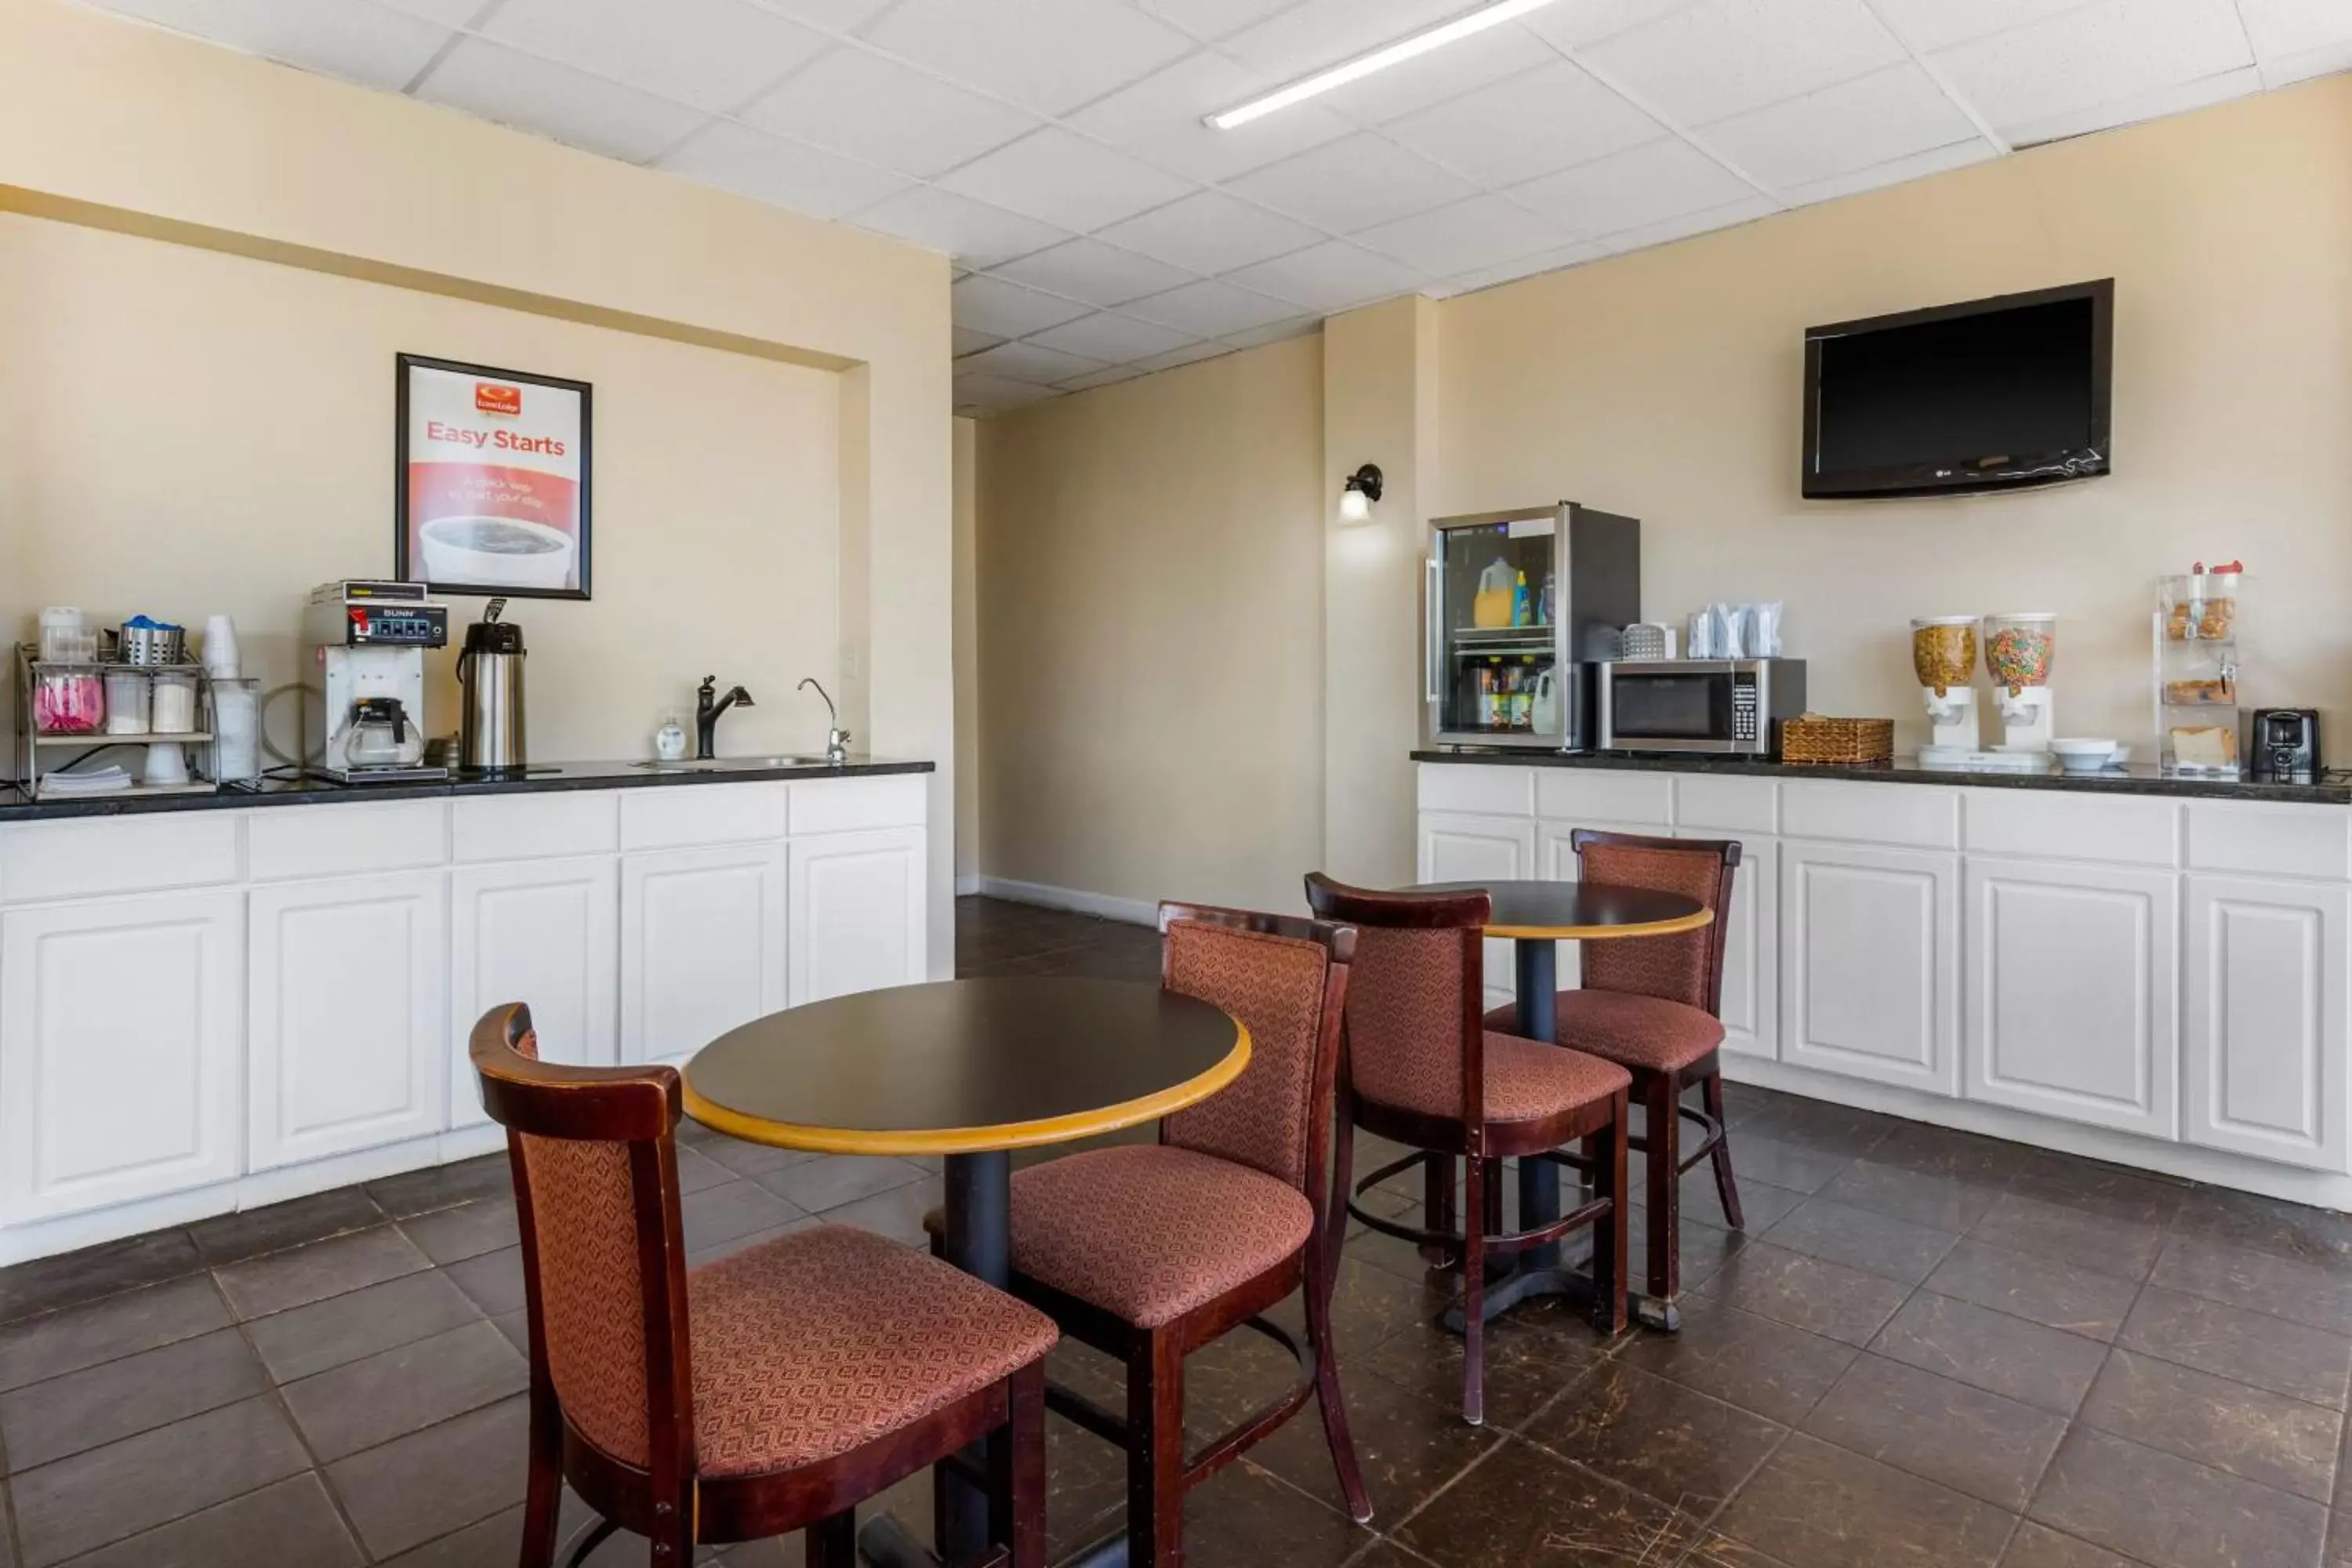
{"x": 1870, "y": 961}
{"x": 702, "y": 946}
{"x": 349, "y": 1014}
{"x": 122, "y": 1026}
{"x": 545, "y": 932}
{"x": 2071, "y": 980}
{"x": 1463, "y": 846}
{"x": 2265, "y": 1039}
{"x": 1751, "y": 950}
{"x": 858, "y": 917}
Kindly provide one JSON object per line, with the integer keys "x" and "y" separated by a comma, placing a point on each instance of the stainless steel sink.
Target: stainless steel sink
{"x": 731, "y": 764}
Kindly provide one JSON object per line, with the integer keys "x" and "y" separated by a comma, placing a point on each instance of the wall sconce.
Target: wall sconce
{"x": 1357, "y": 496}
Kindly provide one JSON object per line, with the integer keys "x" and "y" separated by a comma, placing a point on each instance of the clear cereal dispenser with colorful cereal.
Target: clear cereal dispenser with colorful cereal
{"x": 2017, "y": 650}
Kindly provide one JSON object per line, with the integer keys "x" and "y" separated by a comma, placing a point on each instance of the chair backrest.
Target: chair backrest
{"x": 1286, "y": 980}
{"x": 1687, "y": 968}
{"x": 604, "y": 1249}
{"x": 1415, "y": 998}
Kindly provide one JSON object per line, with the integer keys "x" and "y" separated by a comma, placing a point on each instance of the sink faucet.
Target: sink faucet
{"x": 708, "y": 706}
{"x": 836, "y": 740}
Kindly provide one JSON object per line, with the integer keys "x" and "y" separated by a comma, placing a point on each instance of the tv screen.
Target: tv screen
{"x": 1986, "y": 395}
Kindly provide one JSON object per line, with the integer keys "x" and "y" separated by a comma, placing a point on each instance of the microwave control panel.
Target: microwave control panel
{"x": 1744, "y": 716}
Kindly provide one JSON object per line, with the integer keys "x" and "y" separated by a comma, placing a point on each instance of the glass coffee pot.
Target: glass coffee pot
{"x": 380, "y": 736}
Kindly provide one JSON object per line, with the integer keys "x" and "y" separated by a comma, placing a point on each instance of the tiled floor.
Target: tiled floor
{"x": 1929, "y": 1349}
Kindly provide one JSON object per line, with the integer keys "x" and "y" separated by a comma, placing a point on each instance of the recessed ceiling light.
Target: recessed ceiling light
{"x": 1403, "y": 49}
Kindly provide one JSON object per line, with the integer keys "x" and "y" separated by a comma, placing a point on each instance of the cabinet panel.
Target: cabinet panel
{"x": 2072, "y": 974}
{"x": 1869, "y": 962}
{"x": 544, "y": 932}
{"x": 858, "y": 916}
{"x": 525, "y": 826}
{"x": 1751, "y": 951}
{"x": 846, "y": 806}
{"x": 2269, "y": 837}
{"x": 2034, "y": 822}
{"x": 676, "y": 816}
{"x": 90, "y": 857}
{"x": 1925, "y": 816}
{"x": 1583, "y": 797}
{"x": 2265, "y": 1039}
{"x": 702, "y": 946}
{"x": 348, "y": 1010}
{"x": 122, "y": 1027}
{"x": 343, "y": 841}
{"x": 1713, "y": 800}
{"x": 1456, "y": 846}
{"x": 1490, "y": 789}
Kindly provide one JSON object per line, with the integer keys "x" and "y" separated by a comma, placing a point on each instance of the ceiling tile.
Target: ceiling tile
{"x": 1007, "y": 309}
{"x": 1191, "y": 354}
{"x": 1275, "y": 333}
{"x": 2154, "y": 104}
{"x": 1931, "y": 25}
{"x": 1651, "y": 183}
{"x": 2279, "y": 70}
{"x": 2095, "y": 55}
{"x": 1871, "y": 120}
{"x": 875, "y": 109}
{"x": 833, "y": 15}
{"x": 1959, "y": 155}
{"x": 1551, "y": 118}
{"x": 1318, "y": 34}
{"x": 448, "y": 13}
{"x": 1525, "y": 267}
{"x": 1723, "y": 56}
{"x": 1667, "y": 230}
{"x": 970, "y": 341}
{"x": 712, "y": 54}
{"x": 498, "y": 83}
{"x": 974, "y": 233}
{"x": 1479, "y": 60}
{"x": 1119, "y": 339}
{"x": 2284, "y": 28}
{"x": 1160, "y": 120}
{"x": 1211, "y": 232}
{"x": 1213, "y": 18}
{"x": 1061, "y": 178}
{"x": 342, "y": 37}
{"x": 1331, "y": 276}
{"x": 1480, "y": 232}
{"x": 994, "y": 393}
{"x": 1582, "y": 23}
{"x": 1051, "y": 54}
{"x": 1097, "y": 273}
{"x": 1353, "y": 183}
{"x": 1027, "y": 362}
{"x": 788, "y": 175}
{"x": 1110, "y": 376}
{"x": 1212, "y": 310}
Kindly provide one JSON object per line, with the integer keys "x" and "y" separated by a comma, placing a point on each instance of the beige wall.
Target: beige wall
{"x": 967, "y": 650}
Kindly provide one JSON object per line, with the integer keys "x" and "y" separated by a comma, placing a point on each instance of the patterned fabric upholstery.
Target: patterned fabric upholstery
{"x": 1274, "y": 984}
{"x": 1405, "y": 1019}
{"x": 1644, "y": 1032}
{"x": 1150, "y": 1232}
{"x": 814, "y": 1343}
{"x": 591, "y": 1290}
{"x": 1527, "y": 1079}
{"x": 1674, "y": 967}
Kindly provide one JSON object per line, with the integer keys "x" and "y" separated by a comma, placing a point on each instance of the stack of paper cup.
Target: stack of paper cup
{"x": 220, "y": 649}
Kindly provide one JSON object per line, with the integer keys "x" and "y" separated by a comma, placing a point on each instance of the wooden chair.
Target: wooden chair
{"x": 768, "y": 1392}
{"x": 1651, "y": 1005}
{"x": 1419, "y": 1054}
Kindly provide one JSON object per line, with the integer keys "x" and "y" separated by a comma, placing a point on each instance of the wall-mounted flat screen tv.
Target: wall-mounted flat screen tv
{"x": 1988, "y": 395}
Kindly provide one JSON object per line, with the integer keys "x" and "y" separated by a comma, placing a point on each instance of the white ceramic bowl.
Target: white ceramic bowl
{"x": 2084, "y": 754}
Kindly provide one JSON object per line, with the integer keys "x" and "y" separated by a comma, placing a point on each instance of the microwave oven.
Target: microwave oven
{"x": 1732, "y": 707}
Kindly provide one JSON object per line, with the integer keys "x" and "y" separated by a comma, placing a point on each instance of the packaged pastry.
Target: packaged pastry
{"x": 2205, "y": 746}
{"x": 2218, "y": 693}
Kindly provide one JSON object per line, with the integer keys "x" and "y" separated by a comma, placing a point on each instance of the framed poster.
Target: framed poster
{"x": 492, "y": 483}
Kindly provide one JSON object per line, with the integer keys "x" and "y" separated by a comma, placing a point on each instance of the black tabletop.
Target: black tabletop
{"x": 1579, "y": 910}
{"x": 962, "y": 1066}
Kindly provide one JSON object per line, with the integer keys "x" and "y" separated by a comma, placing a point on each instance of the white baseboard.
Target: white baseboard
{"x": 1135, "y": 911}
{"x": 966, "y": 886}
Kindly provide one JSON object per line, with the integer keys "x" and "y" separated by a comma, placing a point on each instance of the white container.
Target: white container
{"x": 220, "y": 652}
{"x": 127, "y": 695}
{"x": 174, "y": 709}
{"x": 66, "y": 637}
{"x": 237, "y": 731}
{"x": 167, "y": 763}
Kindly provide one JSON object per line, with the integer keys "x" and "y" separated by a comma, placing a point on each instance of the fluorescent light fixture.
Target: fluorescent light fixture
{"x": 1403, "y": 49}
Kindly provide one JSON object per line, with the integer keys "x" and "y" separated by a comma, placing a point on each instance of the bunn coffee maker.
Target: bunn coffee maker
{"x": 363, "y": 646}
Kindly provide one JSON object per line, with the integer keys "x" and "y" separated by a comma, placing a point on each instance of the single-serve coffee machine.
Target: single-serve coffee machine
{"x": 364, "y": 673}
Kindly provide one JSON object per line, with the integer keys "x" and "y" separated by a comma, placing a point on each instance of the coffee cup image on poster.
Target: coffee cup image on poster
{"x": 495, "y": 480}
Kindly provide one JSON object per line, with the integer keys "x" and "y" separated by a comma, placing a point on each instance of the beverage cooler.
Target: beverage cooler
{"x": 1517, "y": 609}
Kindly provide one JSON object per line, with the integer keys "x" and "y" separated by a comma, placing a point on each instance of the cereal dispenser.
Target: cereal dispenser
{"x": 2017, "y": 650}
{"x": 1944, "y": 658}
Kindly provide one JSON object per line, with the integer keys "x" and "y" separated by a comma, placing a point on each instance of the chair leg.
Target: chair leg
{"x": 1327, "y": 1398}
{"x": 1016, "y": 1471}
{"x": 1343, "y": 1187}
{"x": 1660, "y": 1092}
{"x": 1711, "y": 1091}
{"x": 543, "y": 1490}
{"x": 1436, "y": 1204}
{"x": 1155, "y": 1459}
{"x": 1606, "y": 1156}
{"x": 1476, "y": 1175}
{"x": 831, "y": 1542}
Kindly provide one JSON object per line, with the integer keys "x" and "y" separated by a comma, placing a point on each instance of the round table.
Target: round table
{"x": 969, "y": 1069}
{"x": 1536, "y": 916}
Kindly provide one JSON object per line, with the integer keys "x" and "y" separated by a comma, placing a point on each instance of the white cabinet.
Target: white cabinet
{"x": 546, "y": 932}
{"x": 121, "y": 1034}
{"x": 1869, "y": 962}
{"x": 349, "y": 1012}
{"x": 2071, "y": 981}
{"x": 1752, "y": 947}
{"x": 702, "y": 946}
{"x": 2265, "y": 1040}
{"x": 857, "y": 920}
{"x": 1465, "y": 846}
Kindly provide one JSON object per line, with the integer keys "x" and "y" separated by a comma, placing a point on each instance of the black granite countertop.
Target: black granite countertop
{"x": 2333, "y": 788}
{"x": 14, "y": 807}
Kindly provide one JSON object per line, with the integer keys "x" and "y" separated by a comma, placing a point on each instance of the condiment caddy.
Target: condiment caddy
{"x": 82, "y": 690}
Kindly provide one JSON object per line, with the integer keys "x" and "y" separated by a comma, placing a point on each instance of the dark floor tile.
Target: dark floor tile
{"x": 492, "y": 1542}
{"x": 1820, "y": 1124}
{"x": 283, "y": 1280}
{"x": 47, "y": 1420}
{"x": 897, "y": 1214}
{"x": 696, "y": 1170}
{"x": 2267, "y": 1224}
{"x": 468, "y": 1230}
{"x": 1948, "y": 1152}
{"x": 75, "y": 1279}
{"x": 1408, "y": 1446}
{"x": 492, "y": 1281}
{"x": 1682, "y": 1447}
{"x": 2170, "y": 1513}
{"x": 1702, "y": 1249}
{"x": 1247, "y": 1518}
{"x": 2265, "y": 1437}
{"x": 2039, "y": 1546}
{"x": 1775, "y": 1370}
{"x": 1225, "y": 1381}
{"x": 2111, "y": 1245}
{"x": 309, "y": 1340}
{"x": 2098, "y": 1188}
{"x": 444, "y": 1186}
{"x": 2318, "y": 1295}
{"x": 397, "y": 1392}
{"x": 2047, "y": 1290}
{"x": 1923, "y": 1197}
{"x": 2305, "y": 1363}
{"x": 1532, "y": 1354}
{"x": 431, "y": 1482}
{"x": 739, "y": 1209}
{"x": 516, "y": 1326}
{"x": 816, "y": 1186}
{"x": 1369, "y": 1306}
{"x": 1820, "y": 1506}
{"x": 1387, "y": 1554}
{"x": 1991, "y": 1351}
{"x": 96, "y": 1499}
{"x": 1760, "y": 1203}
{"x": 233, "y": 1238}
{"x": 1863, "y": 1238}
{"x": 1795, "y": 1167}
{"x": 288, "y": 1525}
{"x": 1808, "y": 1293}
{"x": 1721, "y": 1552}
{"x": 742, "y": 1159}
{"x": 1990, "y": 1448}
{"x": 120, "y": 1325}
{"x": 1524, "y": 1505}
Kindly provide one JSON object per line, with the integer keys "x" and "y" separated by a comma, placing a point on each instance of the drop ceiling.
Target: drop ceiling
{"x": 1055, "y": 148}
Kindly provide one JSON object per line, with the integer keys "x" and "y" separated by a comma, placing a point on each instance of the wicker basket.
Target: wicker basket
{"x": 1814, "y": 739}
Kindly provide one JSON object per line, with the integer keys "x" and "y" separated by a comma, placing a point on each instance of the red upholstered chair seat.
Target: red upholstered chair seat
{"x": 1524, "y": 1080}
{"x": 1629, "y": 1028}
{"x": 817, "y": 1342}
